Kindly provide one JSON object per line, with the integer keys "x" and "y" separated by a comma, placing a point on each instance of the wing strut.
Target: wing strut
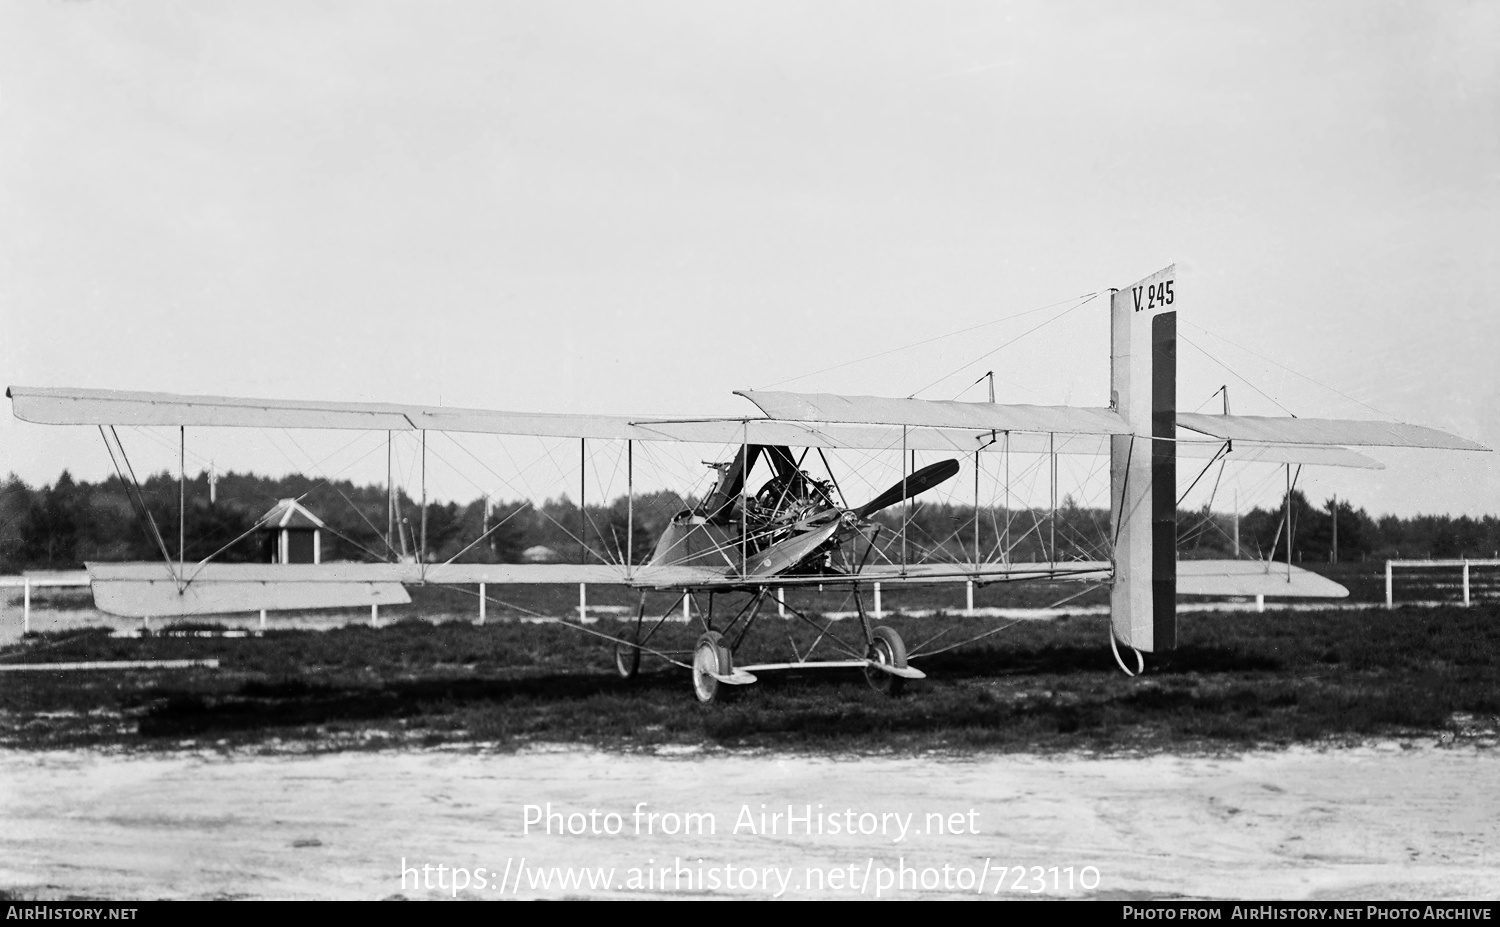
{"x": 837, "y": 488}
{"x": 1206, "y": 467}
{"x": 181, "y": 500}
{"x": 906, "y": 507}
{"x": 976, "y": 513}
{"x": 390, "y": 498}
{"x": 629, "y": 507}
{"x": 1005, "y": 552}
{"x": 1052, "y": 517}
{"x": 583, "y": 500}
{"x": 422, "y": 547}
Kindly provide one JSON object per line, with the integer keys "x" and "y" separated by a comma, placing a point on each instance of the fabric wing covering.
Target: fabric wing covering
{"x": 1036, "y": 429}
{"x": 67, "y": 406}
{"x": 151, "y": 590}
{"x": 979, "y": 416}
{"x": 1276, "y": 430}
{"x": 137, "y": 590}
{"x": 826, "y": 407}
{"x": 1253, "y": 577}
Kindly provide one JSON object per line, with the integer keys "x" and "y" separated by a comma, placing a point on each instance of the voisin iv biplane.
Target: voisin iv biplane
{"x": 769, "y": 523}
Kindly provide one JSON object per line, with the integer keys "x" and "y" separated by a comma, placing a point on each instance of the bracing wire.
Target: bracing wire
{"x": 1086, "y": 299}
{"x": 916, "y": 344}
{"x": 1236, "y": 373}
{"x": 1295, "y": 373}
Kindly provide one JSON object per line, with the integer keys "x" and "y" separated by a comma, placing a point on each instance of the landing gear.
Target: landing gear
{"x": 627, "y": 660}
{"x": 628, "y": 655}
{"x": 886, "y": 649}
{"x": 710, "y": 658}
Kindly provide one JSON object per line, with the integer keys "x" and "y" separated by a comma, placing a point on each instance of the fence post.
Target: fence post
{"x": 583, "y": 602}
{"x": 781, "y": 601}
{"x": 878, "y": 612}
{"x": 374, "y": 614}
{"x": 1466, "y": 584}
{"x": 26, "y": 607}
{"x": 1387, "y": 584}
{"x": 969, "y": 598}
{"x": 262, "y": 619}
{"x": 1260, "y": 603}
{"x": 481, "y": 603}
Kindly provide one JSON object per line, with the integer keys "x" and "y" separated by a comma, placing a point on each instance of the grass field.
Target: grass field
{"x": 1237, "y": 680}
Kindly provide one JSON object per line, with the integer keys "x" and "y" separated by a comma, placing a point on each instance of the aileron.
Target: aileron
{"x": 1330, "y": 431}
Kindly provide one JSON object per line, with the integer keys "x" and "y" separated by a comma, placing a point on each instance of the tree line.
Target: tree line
{"x": 69, "y": 522}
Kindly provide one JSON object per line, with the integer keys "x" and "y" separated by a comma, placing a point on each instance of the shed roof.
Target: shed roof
{"x": 289, "y": 513}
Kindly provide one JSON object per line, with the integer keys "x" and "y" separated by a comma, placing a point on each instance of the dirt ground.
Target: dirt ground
{"x": 1386, "y": 821}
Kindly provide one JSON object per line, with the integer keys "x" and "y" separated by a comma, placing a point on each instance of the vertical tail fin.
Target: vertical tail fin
{"x": 1143, "y": 464}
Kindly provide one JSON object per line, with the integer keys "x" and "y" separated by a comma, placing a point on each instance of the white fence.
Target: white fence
{"x": 1391, "y": 565}
{"x": 30, "y": 582}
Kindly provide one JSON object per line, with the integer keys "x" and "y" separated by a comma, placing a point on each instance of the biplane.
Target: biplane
{"x": 769, "y": 523}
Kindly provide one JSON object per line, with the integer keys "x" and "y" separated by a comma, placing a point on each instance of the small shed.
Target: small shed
{"x": 291, "y": 534}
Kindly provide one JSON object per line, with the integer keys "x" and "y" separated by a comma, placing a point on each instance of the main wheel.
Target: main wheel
{"x": 628, "y": 655}
{"x": 709, "y": 657}
{"x": 627, "y": 660}
{"x": 886, "y": 649}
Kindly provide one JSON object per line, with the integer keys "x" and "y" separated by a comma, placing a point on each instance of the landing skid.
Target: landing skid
{"x": 905, "y": 672}
{"x": 883, "y": 656}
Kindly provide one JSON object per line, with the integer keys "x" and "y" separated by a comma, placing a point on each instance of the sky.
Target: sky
{"x": 637, "y": 208}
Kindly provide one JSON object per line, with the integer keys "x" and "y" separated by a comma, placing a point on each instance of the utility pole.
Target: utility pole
{"x": 1236, "y": 524}
{"x": 1287, "y": 521}
{"x": 1333, "y": 507}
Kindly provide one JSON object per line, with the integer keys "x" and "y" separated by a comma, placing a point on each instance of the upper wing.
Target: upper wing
{"x": 69, "y": 406}
{"x": 807, "y": 420}
{"x": 990, "y": 417}
{"x": 972, "y": 416}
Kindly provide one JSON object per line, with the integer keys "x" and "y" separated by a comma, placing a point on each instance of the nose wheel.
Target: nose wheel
{"x": 627, "y": 660}
{"x": 886, "y": 649}
{"x": 628, "y": 651}
{"x": 711, "y": 658}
